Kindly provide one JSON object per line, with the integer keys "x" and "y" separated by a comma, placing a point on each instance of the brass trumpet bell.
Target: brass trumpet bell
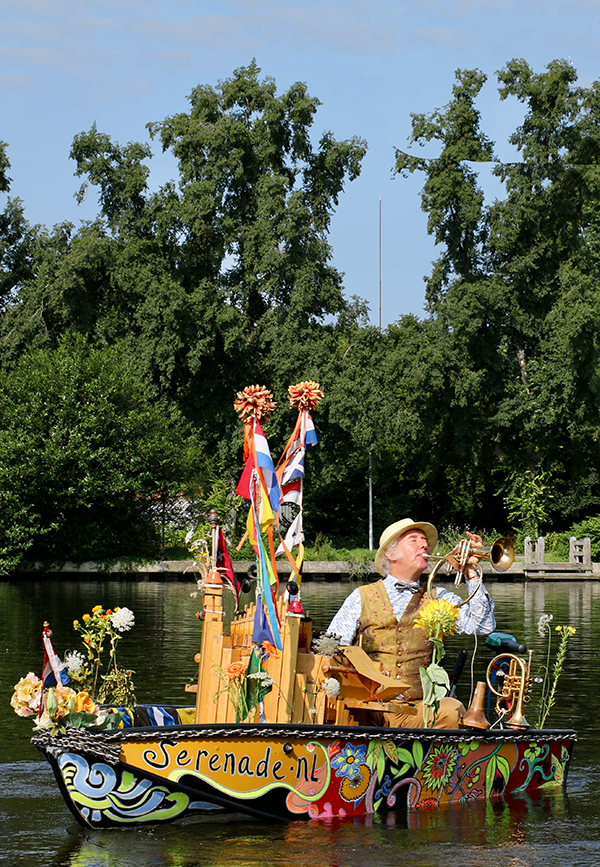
{"x": 500, "y": 555}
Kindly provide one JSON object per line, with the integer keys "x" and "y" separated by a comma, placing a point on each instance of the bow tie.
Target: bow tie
{"x": 412, "y": 588}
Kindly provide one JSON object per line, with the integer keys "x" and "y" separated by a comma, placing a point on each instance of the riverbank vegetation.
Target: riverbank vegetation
{"x": 125, "y": 340}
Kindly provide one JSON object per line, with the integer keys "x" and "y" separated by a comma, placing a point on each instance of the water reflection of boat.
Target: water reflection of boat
{"x": 304, "y": 750}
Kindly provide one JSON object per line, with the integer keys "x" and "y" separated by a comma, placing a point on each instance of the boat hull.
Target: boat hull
{"x": 151, "y": 775}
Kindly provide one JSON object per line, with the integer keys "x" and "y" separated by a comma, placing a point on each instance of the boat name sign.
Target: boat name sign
{"x": 246, "y": 768}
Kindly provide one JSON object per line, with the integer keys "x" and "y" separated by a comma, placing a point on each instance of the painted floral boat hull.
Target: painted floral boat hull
{"x": 150, "y": 775}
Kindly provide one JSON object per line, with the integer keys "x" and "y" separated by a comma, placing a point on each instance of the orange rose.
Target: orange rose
{"x": 84, "y": 702}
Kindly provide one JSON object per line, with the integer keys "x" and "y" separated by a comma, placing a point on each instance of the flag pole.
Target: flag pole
{"x": 370, "y": 501}
{"x": 380, "y": 263}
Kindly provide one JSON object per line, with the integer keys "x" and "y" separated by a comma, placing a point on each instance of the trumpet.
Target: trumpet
{"x": 500, "y": 556}
{"x": 516, "y": 685}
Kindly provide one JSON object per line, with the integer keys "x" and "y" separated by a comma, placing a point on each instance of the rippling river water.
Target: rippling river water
{"x": 550, "y": 830}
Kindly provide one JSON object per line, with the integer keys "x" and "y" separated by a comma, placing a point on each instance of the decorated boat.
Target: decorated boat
{"x": 304, "y": 753}
{"x": 282, "y": 723}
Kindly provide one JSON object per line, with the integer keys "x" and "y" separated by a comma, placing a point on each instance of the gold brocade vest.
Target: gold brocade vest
{"x": 396, "y": 645}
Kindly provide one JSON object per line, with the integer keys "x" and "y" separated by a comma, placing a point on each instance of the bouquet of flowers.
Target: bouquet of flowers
{"x": 97, "y": 681}
{"x": 246, "y": 682}
{"x": 106, "y": 681}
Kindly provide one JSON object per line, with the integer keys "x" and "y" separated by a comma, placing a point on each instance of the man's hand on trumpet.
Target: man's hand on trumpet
{"x": 467, "y": 557}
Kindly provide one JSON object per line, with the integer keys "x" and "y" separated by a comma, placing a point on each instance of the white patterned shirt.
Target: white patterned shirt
{"x": 474, "y": 618}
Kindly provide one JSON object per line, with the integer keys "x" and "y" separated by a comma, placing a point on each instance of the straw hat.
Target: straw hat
{"x": 398, "y": 529}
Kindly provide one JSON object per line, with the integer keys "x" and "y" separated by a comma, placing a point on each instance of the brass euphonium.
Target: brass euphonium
{"x": 500, "y": 556}
{"x": 515, "y": 689}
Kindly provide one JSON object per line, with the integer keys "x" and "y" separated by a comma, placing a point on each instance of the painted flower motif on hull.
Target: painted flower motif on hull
{"x": 427, "y": 804}
{"x": 347, "y": 763}
{"x": 353, "y": 788}
{"x": 439, "y": 766}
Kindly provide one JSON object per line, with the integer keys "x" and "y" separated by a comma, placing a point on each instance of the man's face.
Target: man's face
{"x": 409, "y": 560}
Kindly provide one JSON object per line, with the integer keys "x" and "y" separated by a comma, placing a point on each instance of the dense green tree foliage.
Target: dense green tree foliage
{"x": 208, "y": 284}
{"x": 124, "y": 341}
{"x": 88, "y": 454}
{"x": 517, "y": 285}
{"x": 16, "y": 240}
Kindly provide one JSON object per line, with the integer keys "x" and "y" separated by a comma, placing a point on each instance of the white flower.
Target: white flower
{"x": 264, "y": 676}
{"x": 327, "y": 645}
{"x": 331, "y": 687}
{"x": 74, "y": 661}
{"x": 543, "y": 626}
{"x": 42, "y": 722}
{"x": 189, "y": 536}
{"x": 122, "y": 619}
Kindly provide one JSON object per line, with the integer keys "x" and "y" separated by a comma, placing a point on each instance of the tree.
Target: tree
{"x": 256, "y": 196}
{"x": 88, "y": 452}
{"x": 206, "y": 285}
{"x": 4, "y": 166}
{"x": 200, "y": 278}
{"x": 516, "y": 286}
{"x": 17, "y": 239}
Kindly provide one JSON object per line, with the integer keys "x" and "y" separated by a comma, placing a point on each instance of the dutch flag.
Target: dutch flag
{"x": 265, "y": 462}
{"x": 54, "y": 671}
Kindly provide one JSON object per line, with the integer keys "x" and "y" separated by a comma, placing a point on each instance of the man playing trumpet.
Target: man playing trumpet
{"x": 380, "y": 616}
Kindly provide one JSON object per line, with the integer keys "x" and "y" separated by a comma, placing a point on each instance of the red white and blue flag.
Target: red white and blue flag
{"x": 53, "y": 671}
{"x": 260, "y": 457}
{"x": 309, "y": 437}
{"x": 267, "y": 467}
{"x": 291, "y": 475}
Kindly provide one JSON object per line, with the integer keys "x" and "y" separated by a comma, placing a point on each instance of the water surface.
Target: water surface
{"x": 551, "y": 829}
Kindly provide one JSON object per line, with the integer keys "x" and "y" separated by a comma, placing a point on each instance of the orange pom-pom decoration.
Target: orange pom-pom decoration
{"x": 254, "y": 402}
{"x": 305, "y": 395}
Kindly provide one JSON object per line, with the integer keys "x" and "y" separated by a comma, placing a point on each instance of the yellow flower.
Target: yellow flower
{"x": 25, "y": 700}
{"x": 85, "y": 618}
{"x": 96, "y": 609}
{"x": 57, "y": 701}
{"x": 438, "y": 618}
{"x": 75, "y": 624}
{"x": 353, "y": 788}
{"x": 62, "y": 695}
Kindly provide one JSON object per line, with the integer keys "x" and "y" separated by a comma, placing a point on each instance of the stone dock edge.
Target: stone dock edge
{"x": 315, "y": 570}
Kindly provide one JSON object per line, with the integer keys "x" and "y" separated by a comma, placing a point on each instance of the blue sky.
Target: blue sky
{"x": 65, "y": 64}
